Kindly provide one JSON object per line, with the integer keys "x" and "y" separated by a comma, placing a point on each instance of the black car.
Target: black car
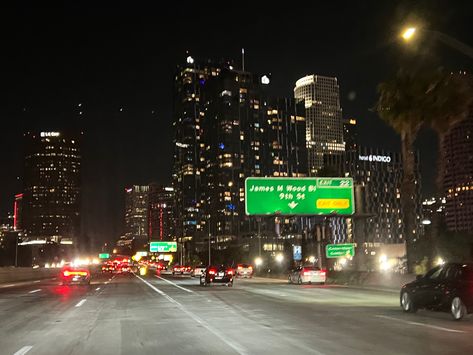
{"x": 217, "y": 274}
{"x": 447, "y": 287}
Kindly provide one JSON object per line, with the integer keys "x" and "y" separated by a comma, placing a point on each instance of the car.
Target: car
{"x": 198, "y": 270}
{"x": 177, "y": 269}
{"x": 75, "y": 275}
{"x": 447, "y": 287}
{"x": 108, "y": 267}
{"x": 217, "y": 274}
{"x": 244, "y": 270}
{"x": 307, "y": 274}
{"x": 186, "y": 270}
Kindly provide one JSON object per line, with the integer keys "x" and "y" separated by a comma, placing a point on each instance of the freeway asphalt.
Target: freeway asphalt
{"x": 128, "y": 314}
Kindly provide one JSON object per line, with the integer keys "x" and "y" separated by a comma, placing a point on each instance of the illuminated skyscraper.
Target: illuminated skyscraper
{"x": 458, "y": 180}
{"x": 161, "y": 212}
{"x": 324, "y": 127}
{"x": 246, "y": 134}
{"x": 51, "y": 198}
{"x": 188, "y": 146}
{"x": 136, "y": 212}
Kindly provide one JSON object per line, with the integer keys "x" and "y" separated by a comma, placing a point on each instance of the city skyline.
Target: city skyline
{"x": 127, "y": 132}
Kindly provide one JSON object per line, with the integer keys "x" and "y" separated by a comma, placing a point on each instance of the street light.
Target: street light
{"x": 258, "y": 261}
{"x": 410, "y": 33}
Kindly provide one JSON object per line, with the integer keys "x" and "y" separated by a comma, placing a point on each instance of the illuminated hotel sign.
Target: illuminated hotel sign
{"x": 378, "y": 158}
{"x": 49, "y": 134}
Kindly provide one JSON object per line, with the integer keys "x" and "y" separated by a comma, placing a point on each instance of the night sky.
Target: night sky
{"x": 118, "y": 59}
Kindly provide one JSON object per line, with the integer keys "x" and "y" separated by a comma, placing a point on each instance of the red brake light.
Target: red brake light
{"x": 250, "y": 267}
{"x": 212, "y": 271}
{"x": 323, "y": 272}
{"x": 240, "y": 267}
{"x": 230, "y": 272}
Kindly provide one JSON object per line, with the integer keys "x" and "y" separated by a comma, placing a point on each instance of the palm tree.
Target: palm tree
{"x": 405, "y": 104}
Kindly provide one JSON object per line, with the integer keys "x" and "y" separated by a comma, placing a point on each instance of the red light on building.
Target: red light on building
{"x": 17, "y": 208}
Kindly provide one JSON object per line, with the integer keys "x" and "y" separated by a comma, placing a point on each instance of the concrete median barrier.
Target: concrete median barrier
{"x": 12, "y": 274}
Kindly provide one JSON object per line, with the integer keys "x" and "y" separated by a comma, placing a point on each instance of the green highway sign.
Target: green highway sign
{"x": 299, "y": 196}
{"x": 104, "y": 256}
{"x": 339, "y": 250}
{"x": 163, "y": 247}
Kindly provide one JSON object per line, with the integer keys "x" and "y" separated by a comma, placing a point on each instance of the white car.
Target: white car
{"x": 307, "y": 274}
{"x": 244, "y": 270}
{"x": 198, "y": 270}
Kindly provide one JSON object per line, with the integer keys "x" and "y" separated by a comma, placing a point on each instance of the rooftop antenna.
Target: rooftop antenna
{"x": 243, "y": 58}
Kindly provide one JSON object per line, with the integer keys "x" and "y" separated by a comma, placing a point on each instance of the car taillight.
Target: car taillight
{"x": 240, "y": 267}
{"x": 212, "y": 272}
{"x": 250, "y": 267}
{"x": 323, "y": 272}
{"x": 230, "y": 272}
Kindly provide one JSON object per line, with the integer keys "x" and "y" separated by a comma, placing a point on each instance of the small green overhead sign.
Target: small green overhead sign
{"x": 163, "y": 247}
{"x": 340, "y": 250}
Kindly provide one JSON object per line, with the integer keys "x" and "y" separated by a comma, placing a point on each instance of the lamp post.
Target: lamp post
{"x": 411, "y": 33}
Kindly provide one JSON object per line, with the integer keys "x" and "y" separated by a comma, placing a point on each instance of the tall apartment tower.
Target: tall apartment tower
{"x": 458, "y": 179}
{"x": 324, "y": 126}
{"x": 161, "y": 211}
{"x": 188, "y": 114}
{"x": 51, "y": 197}
{"x": 136, "y": 212}
{"x": 246, "y": 133}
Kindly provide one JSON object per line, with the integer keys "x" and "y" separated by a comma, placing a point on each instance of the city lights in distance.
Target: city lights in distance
{"x": 190, "y": 60}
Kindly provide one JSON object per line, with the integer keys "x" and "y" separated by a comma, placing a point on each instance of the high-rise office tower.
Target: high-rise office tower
{"x": 458, "y": 179}
{"x": 136, "y": 212}
{"x": 188, "y": 163}
{"x": 324, "y": 127}
{"x": 161, "y": 212}
{"x": 51, "y": 198}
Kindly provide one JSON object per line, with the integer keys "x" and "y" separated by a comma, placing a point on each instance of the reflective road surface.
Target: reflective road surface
{"x": 128, "y": 314}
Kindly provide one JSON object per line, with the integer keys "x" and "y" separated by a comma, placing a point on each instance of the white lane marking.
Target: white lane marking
{"x": 34, "y": 291}
{"x": 23, "y": 350}
{"x": 37, "y": 281}
{"x": 98, "y": 288}
{"x": 81, "y": 302}
{"x": 235, "y": 346}
{"x": 174, "y": 284}
{"x": 422, "y": 324}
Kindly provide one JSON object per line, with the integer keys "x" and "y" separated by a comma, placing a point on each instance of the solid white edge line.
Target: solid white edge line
{"x": 37, "y": 281}
{"x": 23, "y": 350}
{"x": 81, "y": 302}
{"x": 34, "y": 291}
{"x": 238, "y": 348}
{"x": 174, "y": 284}
{"x": 422, "y": 324}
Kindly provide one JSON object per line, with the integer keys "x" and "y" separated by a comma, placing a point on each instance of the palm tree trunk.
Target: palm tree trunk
{"x": 408, "y": 189}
